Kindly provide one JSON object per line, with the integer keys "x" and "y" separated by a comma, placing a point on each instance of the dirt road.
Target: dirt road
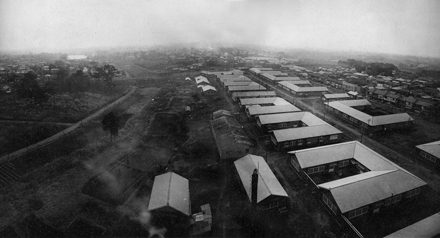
{"x": 67, "y": 131}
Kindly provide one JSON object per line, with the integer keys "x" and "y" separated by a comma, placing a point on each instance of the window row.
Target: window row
{"x": 413, "y": 192}
{"x": 329, "y": 204}
{"x": 315, "y": 169}
{"x": 428, "y": 156}
{"x": 358, "y": 212}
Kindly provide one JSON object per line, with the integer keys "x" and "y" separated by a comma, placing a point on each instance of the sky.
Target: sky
{"x": 391, "y": 26}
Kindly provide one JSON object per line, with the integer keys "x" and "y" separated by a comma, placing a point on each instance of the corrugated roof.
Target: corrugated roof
{"x": 256, "y": 101}
{"x": 370, "y": 189}
{"x": 246, "y": 88}
{"x": 269, "y": 76}
{"x": 268, "y": 184}
{"x": 432, "y": 148}
{"x": 170, "y": 189}
{"x": 428, "y": 227}
{"x": 272, "y": 109}
{"x": 305, "y": 132}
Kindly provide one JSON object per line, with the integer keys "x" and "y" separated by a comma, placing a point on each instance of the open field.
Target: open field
{"x": 59, "y": 108}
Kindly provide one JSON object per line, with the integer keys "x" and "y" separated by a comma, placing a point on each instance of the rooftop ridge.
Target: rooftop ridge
{"x": 345, "y": 184}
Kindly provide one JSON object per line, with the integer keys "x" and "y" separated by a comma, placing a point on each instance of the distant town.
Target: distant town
{"x": 216, "y": 141}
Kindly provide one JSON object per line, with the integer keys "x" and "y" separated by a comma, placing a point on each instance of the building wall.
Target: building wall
{"x": 278, "y": 126}
{"x": 366, "y": 127}
{"x": 306, "y": 142}
{"x": 431, "y": 159}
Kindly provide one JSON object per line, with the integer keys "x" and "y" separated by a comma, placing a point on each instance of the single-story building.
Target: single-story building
{"x": 428, "y": 227}
{"x": 355, "y": 180}
{"x": 200, "y": 80}
{"x": 253, "y": 87}
{"x": 381, "y": 123}
{"x": 280, "y": 121}
{"x": 257, "y": 71}
{"x": 221, "y": 113}
{"x": 258, "y": 179}
{"x": 303, "y": 91}
{"x": 230, "y": 138}
{"x": 239, "y": 83}
{"x": 253, "y": 112}
{"x": 207, "y": 90}
{"x": 272, "y": 101}
{"x": 170, "y": 195}
{"x": 308, "y": 136}
{"x": 253, "y": 94}
{"x": 334, "y": 97}
{"x": 430, "y": 152}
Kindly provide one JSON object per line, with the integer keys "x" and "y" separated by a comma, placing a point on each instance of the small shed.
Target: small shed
{"x": 170, "y": 195}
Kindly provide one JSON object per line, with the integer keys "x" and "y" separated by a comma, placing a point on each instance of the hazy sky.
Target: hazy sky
{"x": 389, "y": 26}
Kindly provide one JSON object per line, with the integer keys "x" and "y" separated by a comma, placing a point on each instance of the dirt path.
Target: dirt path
{"x": 432, "y": 178}
{"x": 67, "y": 131}
{"x": 38, "y": 122}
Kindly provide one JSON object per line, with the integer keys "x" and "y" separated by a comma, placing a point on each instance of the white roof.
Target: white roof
{"x": 253, "y": 93}
{"x": 432, "y": 148}
{"x": 363, "y": 189}
{"x": 256, "y": 101}
{"x": 187, "y": 78}
{"x": 201, "y": 79}
{"x": 170, "y": 189}
{"x": 272, "y": 109}
{"x": 291, "y": 85}
{"x": 269, "y": 76}
{"x": 306, "y": 117}
{"x": 304, "y": 132}
{"x": 342, "y": 151}
{"x": 240, "y": 83}
{"x": 296, "y": 82}
{"x": 336, "y": 95}
{"x": 206, "y": 88}
{"x": 268, "y": 184}
{"x": 428, "y": 227}
{"x": 233, "y": 77}
{"x": 346, "y": 107}
{"x": 287, "y": 79}
{"x": 246, "y": 88}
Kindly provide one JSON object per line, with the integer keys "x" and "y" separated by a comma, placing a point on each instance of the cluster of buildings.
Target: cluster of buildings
{"x": 352, "y": 180}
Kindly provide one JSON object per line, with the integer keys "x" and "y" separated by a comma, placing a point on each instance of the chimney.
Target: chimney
{"x": 254, "y": 188}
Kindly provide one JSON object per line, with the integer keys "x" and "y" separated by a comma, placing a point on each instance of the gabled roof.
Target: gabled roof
{"x": 201, "y": 79}
{"x": 349, "y": 150}
{"x": 220, "y": 113}
{"x": 428, "y": 227}
{"x": 239, "y": 83}
{"x": 432, "y": 148}
{"x": 306, "y": 117}
{"x": 207, "y": 88}
{"x": 268, "y": 184}
{"x": 296, "y": 82}
{"x": 346, "y": 107}
{"x": 360, "y": 190}
{"x": 305, "y": 132}
{"x": 257, "y": 101}
{"x": 253, "y": 111}
{"x": 235, "y": 78}
{"x": 287, "y": 79}
{"x": 253, "y": 93}
{"x": 246, "y": 88}
{"x": 170, "y": 190}
{"x": 336, "y": 95}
